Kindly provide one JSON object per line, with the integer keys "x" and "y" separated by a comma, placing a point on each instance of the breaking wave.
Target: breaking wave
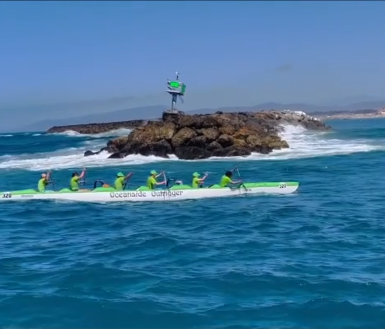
{"x": 107, "y": 134}
{"x": 303, "y": 144}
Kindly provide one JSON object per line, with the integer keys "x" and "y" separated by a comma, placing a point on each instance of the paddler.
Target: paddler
{"x": 152, "y": 182}
{"x": 226, "y": 179}
{"x": 74, "y": 182}
{"x": 120, "y": 180}
{"x": 43, "y": 182}
{"x": 196, "y": 181}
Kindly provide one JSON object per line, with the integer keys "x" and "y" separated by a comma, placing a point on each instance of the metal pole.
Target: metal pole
{"x": 174, "y": 96}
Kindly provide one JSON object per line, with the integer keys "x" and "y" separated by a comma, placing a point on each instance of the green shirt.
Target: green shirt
{"x": 74, "y": 183}
{"x": 42, "y": 184}
{"x": 151, "y": 182}
{"x": 119, "y": 182}
{"x": 195, "y": 182}
{"x": 224, "y": 181}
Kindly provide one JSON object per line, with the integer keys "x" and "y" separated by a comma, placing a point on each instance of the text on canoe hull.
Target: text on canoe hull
{"x": 140, "y": 194}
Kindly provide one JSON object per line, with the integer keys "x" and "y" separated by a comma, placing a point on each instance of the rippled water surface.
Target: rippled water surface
{"x": 312, "y": 259}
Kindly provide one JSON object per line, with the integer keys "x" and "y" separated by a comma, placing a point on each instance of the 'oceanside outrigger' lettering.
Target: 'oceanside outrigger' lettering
{"x": 166, "y": 193}
{"x": 138, "y": 194}
{"x": 141, "y": 194}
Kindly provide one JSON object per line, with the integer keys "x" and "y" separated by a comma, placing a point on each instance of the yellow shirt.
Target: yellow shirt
{"x": 225, "y": 181}
{"x": 74, "y": 183}
{"x": 151, "y": 182}
{"x": 195, "y": 182}
{"x": 42, "y": 184}
{"x": 119, "y": 182}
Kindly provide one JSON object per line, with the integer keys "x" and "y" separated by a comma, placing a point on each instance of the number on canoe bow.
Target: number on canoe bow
{"x": 7, "y": 195}
{"x": 282, "y": 185}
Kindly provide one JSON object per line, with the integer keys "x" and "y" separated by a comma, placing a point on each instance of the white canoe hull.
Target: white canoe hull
{"x": 154, "y": 195}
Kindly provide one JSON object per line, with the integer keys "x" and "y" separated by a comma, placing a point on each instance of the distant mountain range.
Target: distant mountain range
{"x": 154, "y": 112}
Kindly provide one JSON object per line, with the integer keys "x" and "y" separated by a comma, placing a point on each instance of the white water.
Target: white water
{"x": 108, "y": 134}
{"x": 306, "y": 144}
{"x": 303, "y": 144}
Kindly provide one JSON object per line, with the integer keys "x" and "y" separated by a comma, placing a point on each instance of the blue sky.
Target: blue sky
{"x": 228, "y": 53}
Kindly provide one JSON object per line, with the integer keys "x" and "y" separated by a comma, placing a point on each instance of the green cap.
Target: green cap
{"x": 153, "y": 172}
{"x": 195, "y": 174}
{"x": 120, "y": 174}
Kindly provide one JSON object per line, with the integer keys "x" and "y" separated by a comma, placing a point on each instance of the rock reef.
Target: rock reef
{"x": 202, "y": 136}
{"x": 97, "y": 128}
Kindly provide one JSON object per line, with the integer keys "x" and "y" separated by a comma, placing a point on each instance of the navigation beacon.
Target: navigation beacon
{"x": 176, "y": 88}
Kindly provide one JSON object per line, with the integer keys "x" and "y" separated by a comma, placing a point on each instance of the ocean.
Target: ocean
{"x": 314, "y": 259}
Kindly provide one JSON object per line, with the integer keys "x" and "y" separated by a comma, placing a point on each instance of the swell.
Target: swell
{"x": 312, "y": 259}
{"x": 59, "y": 151}
{"x": 286, "y": 262}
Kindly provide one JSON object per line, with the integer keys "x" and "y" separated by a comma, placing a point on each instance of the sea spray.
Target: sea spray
{"x": 303, "y": 144}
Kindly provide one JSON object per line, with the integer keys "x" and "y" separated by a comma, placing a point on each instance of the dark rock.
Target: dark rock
{"x": 161, "y": 149}
{"x": 192, "y": 153}
{"x": 88, "y": 153}
{"x": 202, "y": 136}
{"x": 110, "y": 149}
{"x": 171, "y": 116}
{"x": 228, "y": 130}
{"x": 117, "y": 155}
{"x": 182, "y": 137}
{"x": 214, "y": 146}
{"x": 191, "y": 121}
{"x": 212, "y": 121}
{"x": 211, "y": 134}
{"x": 231, "y": 151}
{"x": 199, "y": 141}
{"x": 118, "y": 142}
{"x": 225, "y": 140}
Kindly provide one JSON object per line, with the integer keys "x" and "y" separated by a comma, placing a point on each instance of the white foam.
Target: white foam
{"x": 74, "y": 160}
{"x": 306, "y": 144}
{"x": 107, "y": 134}
{"x": 303, "y": 144}
{"x": 6, "y": 135}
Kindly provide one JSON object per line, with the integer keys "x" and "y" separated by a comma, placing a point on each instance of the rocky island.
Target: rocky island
{"x": 202, "y": 136}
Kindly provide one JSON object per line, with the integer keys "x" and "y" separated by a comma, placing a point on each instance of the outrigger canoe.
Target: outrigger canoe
{"x": 143, "y": 193}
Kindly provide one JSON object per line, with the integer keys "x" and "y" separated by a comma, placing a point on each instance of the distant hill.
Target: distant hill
{"x": 154, "y": 112}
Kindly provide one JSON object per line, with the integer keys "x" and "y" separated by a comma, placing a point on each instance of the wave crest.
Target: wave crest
{"x": 107, "y": 134}
{"x": 303, "y": 144}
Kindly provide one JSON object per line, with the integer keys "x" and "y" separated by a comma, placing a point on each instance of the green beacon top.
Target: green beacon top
{"x": 176, "y": 87}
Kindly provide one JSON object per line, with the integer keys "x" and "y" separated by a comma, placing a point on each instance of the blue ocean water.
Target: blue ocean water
{"x": 312, "y": 259}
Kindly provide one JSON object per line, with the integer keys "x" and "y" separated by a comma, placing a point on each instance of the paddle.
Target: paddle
{"x": 169, "y": 180}
{"x": 50, "y": 180}
{"x": 165, "y": 178}
{"x": 83, "y": 181}
{"x": 126, "y": 181}
{"x": 239, "y": 175}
